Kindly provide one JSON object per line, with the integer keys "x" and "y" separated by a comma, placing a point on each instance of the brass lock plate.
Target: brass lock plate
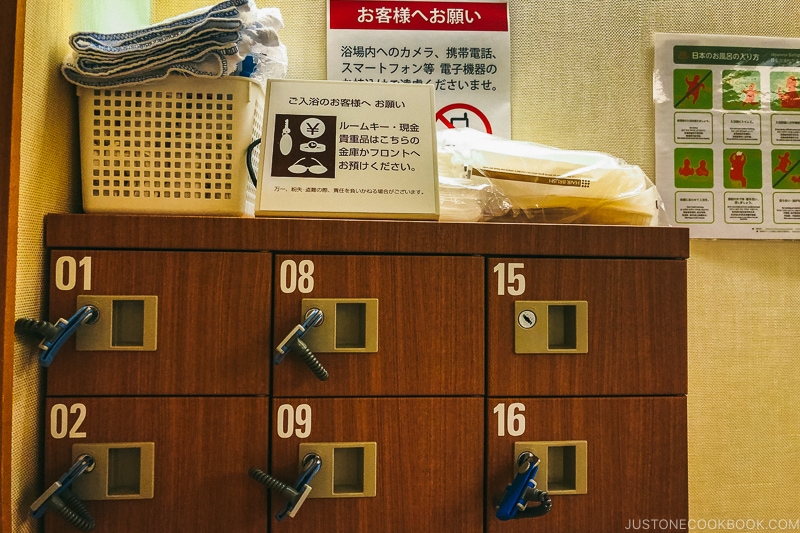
{"x": 562, "y": 465}
{"x": 348, "y": 469}
{"x": 542, "y": 327}
{"x": 126, "y": 323}
{"x": 122, "y": 471}
{"x": 349, "y": 325}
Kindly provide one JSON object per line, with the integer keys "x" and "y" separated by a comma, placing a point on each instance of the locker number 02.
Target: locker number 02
{"x": 63, "y": 425}
{"x": 294, "y": 421}
{"x": 297, "y": 276}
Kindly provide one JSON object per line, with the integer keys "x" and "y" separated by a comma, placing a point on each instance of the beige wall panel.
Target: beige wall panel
{"x": 49, "y": 182}
{"x": 744, "y": 393}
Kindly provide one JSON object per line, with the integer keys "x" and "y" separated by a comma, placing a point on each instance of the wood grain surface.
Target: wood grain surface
{"x": 637, "y": 329}
{"x": 370, "y": 236}
{"x": 429, "y": 465}
{"x": 445, "y": 359}
{"x": 213, "y": 325}
{"x": 636, "y": 468}
{"x": 430, "y": 327}
{"x": 203, "y": 450}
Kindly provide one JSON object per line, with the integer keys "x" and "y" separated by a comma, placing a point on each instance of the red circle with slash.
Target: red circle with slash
{"x": 440, "y": 115}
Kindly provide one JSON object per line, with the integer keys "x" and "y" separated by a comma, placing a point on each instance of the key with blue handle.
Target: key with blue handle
{"x": 528, "y": 466}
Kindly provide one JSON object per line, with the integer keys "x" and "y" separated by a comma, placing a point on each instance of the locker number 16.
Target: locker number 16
{"x": 511, "y": 420}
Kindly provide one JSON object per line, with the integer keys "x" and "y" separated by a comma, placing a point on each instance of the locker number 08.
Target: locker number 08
{"x": 297, "y": 276}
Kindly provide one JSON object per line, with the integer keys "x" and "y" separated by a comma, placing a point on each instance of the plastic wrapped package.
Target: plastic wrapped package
{"x": 531, "y": 182}
{"x": 465, "y": 198}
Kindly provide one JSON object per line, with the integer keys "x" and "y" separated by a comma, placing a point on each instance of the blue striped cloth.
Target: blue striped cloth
{"x": 206, "y": 42}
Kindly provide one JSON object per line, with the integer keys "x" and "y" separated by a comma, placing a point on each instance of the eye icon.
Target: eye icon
{"x": 312, "y": 146}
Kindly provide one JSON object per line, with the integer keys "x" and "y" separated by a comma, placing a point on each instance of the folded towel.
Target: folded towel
{"x": 208, "y": 42}
{"x": 212, "y": 65}
{"x": 188, "y": 24}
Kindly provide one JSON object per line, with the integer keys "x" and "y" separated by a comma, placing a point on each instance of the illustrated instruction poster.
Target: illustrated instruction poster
{"x": 728, "y": 134}
{"x": 338, "y": 149}
{"x": 461, "y": 48}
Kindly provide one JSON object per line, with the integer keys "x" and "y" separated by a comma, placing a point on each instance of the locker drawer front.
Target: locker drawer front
{"x": 212, "y": 316}
{"x": 590, "y": 327}
{"x": 428, "y": 456}
{"x": 202, "y": 449}
{"x": 427, "y": 324}
{"x": 635, "y": 456}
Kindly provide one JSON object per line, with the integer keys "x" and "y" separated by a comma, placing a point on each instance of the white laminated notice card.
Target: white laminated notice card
{"x": 728, "y": 134}
{"x": 341, "y": 149}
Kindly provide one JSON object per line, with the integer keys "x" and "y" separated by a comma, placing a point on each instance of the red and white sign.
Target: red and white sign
{"x": 418, "y": 15}
{"x": 461, "y": 48}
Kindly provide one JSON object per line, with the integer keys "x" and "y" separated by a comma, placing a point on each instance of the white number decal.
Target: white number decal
{"x": 293, "y": 421}
{"x": 59, "y": 421}
{"x": 302, "y": 417}
{"x": 67, "y": 273}
{"x": 514, "y": 423}
{"x": 516, "y": 281}
{"x": 285, "y": 421}
{"x": 290, "y": 280}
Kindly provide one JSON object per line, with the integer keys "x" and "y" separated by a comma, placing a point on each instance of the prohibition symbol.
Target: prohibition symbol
{"x": 448, "y": 122}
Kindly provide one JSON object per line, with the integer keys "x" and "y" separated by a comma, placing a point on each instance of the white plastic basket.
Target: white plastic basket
{"x": 178, "y": 146}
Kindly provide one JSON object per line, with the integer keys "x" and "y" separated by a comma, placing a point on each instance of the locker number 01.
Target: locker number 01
{"x": 294, "y": 421}
{"x": 67, "y": 273}
{"x": 297, "y": 276}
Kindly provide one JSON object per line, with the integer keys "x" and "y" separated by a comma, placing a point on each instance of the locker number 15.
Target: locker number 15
{"x": 508, "y": 279}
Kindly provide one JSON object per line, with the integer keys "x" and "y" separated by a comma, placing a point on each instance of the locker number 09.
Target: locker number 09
{"x": 294, "y": 421}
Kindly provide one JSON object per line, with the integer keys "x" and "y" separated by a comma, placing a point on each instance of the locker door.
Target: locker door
{"x": 163, "y": 464}
{"x": 172, "y": 323}
{"x": 427, "y": 455}
{"x": 605, "y": 461}
{"x": 586, "y": 327}
{"x": 393, "y": 325}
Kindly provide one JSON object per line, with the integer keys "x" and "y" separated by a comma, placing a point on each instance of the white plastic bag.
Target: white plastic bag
{"x": 537, "y": 183}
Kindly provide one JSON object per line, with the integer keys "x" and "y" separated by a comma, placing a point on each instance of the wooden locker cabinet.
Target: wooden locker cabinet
{"x": 213, "y": 322}
{"x": 430, "y": 329}
{"x": 429, "y": 459}
{"x": 636, "y": 460}
{"x": 636, "y": 328}
{"x": 203, "y": 448}
{"x": 445, "y": 361}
